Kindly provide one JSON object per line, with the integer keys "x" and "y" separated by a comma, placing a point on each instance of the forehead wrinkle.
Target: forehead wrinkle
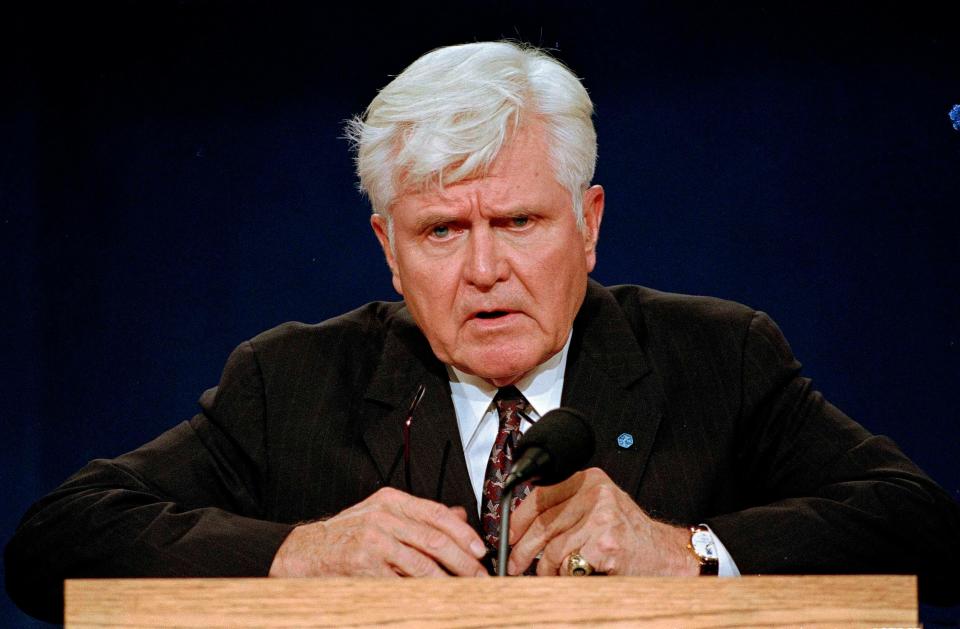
{"x": 503, "y": 201}
{"x": 480, "y": 199}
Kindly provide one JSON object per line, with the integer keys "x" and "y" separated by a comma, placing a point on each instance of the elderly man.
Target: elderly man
{"x": 713, "y": 454}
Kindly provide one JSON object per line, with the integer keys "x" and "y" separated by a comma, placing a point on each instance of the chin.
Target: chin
{"x": 497, "y": 374}
{"x": 503, "y": 370}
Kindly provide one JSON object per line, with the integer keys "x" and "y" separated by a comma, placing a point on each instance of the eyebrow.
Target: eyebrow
{"x": 439, "y": 217}
{"x": 434, "y": 218}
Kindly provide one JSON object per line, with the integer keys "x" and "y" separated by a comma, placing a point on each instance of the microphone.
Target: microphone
{"x": 552, "y": 449}
{"x": 549, "y": 452}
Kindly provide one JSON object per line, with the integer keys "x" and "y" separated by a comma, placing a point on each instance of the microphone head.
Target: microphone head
{"x": 567, "y": 439}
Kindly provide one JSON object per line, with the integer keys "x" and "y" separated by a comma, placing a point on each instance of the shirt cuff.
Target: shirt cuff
{"x": 727, "y": 567}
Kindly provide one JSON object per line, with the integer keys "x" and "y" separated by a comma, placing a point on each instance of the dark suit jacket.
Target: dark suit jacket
{"x": 307, "y": 420}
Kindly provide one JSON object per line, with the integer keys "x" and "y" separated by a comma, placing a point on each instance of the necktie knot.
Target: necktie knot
{"x": 510, "y": 404}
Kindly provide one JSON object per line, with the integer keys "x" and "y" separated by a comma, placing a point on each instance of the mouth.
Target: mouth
{"x": 491, "y": 314}
{"x": 494, "y": 321}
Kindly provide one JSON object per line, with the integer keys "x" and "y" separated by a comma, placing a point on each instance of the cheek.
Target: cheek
{"x": 434, "y": 285}
{"x": 562, "y": 281}
{"x": 431, "y": 296}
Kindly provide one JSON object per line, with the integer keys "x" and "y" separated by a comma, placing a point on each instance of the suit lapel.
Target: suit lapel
{"x": 610, "y": 380}
{"x": 437, "y": 470}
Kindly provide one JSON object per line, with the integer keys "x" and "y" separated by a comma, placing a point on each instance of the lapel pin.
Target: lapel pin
{"x": 625, "y": 440}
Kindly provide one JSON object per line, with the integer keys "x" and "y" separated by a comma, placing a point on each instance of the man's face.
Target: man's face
{"x": 494, "y": 269}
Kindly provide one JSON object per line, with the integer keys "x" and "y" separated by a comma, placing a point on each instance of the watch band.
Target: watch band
{"x": 704, "y": 549}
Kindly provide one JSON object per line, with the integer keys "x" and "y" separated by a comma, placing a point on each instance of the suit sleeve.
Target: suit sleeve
{"x": 834, "y": 497}
{"x": 187, "y": 504}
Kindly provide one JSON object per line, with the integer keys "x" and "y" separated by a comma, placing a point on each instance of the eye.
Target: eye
{"x": 440, "y": 231}
{"x": 519, "y": 221}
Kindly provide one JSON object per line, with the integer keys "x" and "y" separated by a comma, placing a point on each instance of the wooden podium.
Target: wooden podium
{"x": 811, "y": 601}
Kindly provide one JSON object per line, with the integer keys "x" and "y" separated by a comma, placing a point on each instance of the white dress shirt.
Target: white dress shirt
{"x": 479, "y": 422}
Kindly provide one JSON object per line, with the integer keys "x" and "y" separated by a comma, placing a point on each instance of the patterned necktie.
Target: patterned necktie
{"x": 508, "y": 401}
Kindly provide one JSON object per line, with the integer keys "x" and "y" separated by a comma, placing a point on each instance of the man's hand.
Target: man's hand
{"x": 391, "y": 533}
{"x": 589, "y": 514}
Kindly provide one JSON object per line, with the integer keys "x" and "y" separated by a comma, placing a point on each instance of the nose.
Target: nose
{"x": 485, "y": 264}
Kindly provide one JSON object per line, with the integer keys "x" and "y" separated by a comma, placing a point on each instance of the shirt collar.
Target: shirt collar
{"x": 472, "y": 395}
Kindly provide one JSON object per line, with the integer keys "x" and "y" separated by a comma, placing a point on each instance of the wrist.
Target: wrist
{"x": 289, "y": 560}
{"x": 279, "y": 566}
{"x": 682, "y": 563}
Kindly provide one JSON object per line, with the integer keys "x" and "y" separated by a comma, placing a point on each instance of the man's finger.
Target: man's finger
{"x": 540, "y": 500}
{"x": 439, "y": 548}
{"x": 435, "y": 515}
{"x": 545, "y": 527}
{"x": 460, "y": 512}
{"x": 562, "y": 546}
{"x": 410, "y": 562}
{"x": 437, "y": 532}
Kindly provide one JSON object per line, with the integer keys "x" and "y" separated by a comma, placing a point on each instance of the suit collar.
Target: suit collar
{"x": 611, "y": 381}
{"x": 604, "y": 335}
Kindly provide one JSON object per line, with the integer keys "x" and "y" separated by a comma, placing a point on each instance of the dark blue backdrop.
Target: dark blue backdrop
{"x": 174, "y": 181}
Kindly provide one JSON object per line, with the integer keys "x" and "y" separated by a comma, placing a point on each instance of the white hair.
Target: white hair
{"x": 447, "y": 116}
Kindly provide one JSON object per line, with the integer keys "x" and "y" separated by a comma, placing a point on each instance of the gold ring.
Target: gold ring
{"x": 576, "y": 566}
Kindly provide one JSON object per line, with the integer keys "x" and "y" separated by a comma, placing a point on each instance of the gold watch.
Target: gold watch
{"x": 704, "y": 549}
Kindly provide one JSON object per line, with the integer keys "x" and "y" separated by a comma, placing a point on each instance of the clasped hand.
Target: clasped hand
{"x": 392, "y": 533}
{"x": 588, "y": 514}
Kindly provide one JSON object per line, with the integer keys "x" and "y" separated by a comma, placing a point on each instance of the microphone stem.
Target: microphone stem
{"x": 503, "y": 548}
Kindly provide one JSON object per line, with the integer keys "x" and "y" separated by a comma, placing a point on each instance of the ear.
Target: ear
{"x": 379, "y": 225}
{"x": 592, "y": 215}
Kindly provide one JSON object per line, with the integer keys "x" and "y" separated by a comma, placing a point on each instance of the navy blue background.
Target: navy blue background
{"x": 173, "y": 181}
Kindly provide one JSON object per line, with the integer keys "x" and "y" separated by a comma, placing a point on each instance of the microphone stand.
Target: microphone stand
{"x": 503, "y": 548}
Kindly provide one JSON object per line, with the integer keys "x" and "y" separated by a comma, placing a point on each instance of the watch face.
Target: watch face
{"x": 702, "y": 543}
